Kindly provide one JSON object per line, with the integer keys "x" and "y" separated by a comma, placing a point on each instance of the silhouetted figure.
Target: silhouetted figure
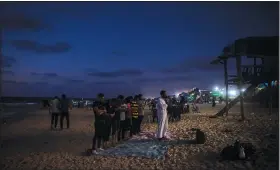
{"x": 64, "y": 111}
{"x": 112, "y": 121}
{"x": 154, "y": 110}
{"x": 182, "y": 105}
{"x": 55, "y": 110}
{"x": 99, "y": 125}
{"x": 213, "y": 101}
{"x": 141, "y": 110}
{"x": 128, "y": 121}
{"x": 135, "y": 116}
{"x": 162, "y": 116}
{"x": 45, "y": 104}
{"x": 122, "y": 109}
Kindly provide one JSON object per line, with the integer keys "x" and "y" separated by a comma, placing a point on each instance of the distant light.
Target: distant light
{"x": 232, "y": 92}
{"x": 177, "y": 94}
{"x": 222, "y": 92}
{"x": 243, "y": 90}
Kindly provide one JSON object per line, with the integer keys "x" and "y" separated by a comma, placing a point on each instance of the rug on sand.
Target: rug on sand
{"x": 143, "y": 145}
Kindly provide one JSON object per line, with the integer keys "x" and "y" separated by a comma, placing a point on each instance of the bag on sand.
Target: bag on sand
{"x": 200, "y": 136}
{"x": 238, "y": 151}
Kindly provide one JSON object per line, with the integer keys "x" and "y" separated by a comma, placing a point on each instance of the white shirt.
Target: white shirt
{"x": 122, "y": 112}
{"x": 141, "y": 107}
{"x": 161, "y": 106}
{"x": 55, "y": 106}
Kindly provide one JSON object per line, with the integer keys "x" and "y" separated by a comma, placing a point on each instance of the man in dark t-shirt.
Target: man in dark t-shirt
{"x": 99, "y": 126}
{"x": 112, "y": 127}
{"x": 101, "y": 103}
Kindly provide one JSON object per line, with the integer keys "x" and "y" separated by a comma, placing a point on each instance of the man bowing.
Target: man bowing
{"x": 162, "y": 116}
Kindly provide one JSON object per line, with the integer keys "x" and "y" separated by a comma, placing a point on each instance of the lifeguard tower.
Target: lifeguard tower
{"x": 265, "y": 49}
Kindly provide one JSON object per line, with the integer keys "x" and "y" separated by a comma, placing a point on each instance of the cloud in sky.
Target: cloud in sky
{"x": 40, "y": 83}
{"x": 8, "y": 72}
{"x": 119, "y": 53}
{"x": 8, "y": 61}
{"x": 14, "y": 82}
{"x": 109, "y": 83}
{"x": 192, "y": 65}
{"x": 165, "y": 79}
{"x": 34, "y": 46}
{"x": 12, "y": 21}
{"x": 49, "y": 75}
{"x": 74, "y": 81}
{"x": 117, "y": 73}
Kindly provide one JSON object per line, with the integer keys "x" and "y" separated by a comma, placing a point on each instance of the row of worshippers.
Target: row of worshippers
{"x": 116, "y": 120}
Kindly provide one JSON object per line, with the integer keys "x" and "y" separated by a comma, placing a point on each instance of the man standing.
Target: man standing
{"x": 122, "y": 110}
{"x": 54, "y": 109}
{"x": 141, "y": 108}
{"x": 128, "y": 117}
{"x": 104, "y": 131}
{"x": 64, "y": 111}
{"x": 99, "y": 126}
{"x": 135, "y": 115}
{"x": 112, "y": 124}
{"x": 162, "y": 116}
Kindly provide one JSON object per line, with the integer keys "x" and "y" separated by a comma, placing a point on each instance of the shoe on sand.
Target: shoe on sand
{"x": 100, "y": 149}
{"x": 94, "y": 152}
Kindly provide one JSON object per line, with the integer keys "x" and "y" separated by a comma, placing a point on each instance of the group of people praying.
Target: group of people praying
{"x": 121, "y": 119}
{"x": 115, "y": 120}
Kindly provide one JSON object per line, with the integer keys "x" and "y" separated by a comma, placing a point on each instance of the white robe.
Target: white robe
{"x": 162, "y": 118}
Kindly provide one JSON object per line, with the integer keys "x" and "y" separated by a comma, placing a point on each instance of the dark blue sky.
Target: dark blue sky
{"x": 123, "y": 47}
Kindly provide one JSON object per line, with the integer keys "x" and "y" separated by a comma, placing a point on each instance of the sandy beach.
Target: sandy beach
{"x": 30, "y": 144}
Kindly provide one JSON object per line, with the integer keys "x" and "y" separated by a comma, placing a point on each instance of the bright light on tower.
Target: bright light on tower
{"x": 232, "y": 92}
{"x": 216, "y": 88}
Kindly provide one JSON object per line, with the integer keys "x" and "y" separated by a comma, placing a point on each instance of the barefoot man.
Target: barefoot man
{"x": 162, "y": 116}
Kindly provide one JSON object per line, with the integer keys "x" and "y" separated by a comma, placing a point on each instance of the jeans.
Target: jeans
{"x": 54, "y": 119}
{"x": 140, "y": 119}
{"x": 121, "y": 131}
{"x": 66, "y": 115}
{"x": 96, "y": 139}
{"x": 134, "y": 126}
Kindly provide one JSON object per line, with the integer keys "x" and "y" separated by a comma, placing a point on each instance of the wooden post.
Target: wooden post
{"x": 269, "y": 97}
{"x": 255, "y": 64}
{"x": 255, "y": 74}
{"x": 1, "y": 67}
{"x": 240, "y": 84}
{"x": 226, "y": 83}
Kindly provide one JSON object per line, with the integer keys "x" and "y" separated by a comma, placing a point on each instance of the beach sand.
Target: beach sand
{"x": 30, "y": 144}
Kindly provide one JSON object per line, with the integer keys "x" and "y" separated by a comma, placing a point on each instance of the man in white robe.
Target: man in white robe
{"x": 161, "y": 107}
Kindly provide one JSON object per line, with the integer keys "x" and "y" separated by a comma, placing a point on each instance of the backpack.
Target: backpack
{"x": 200, "y": 136}
{"x": 238, "y": 151}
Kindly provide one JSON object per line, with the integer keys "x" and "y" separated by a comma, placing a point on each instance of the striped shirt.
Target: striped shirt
{"x": 134, "y": 109}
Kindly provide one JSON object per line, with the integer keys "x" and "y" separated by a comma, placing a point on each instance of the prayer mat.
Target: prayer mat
{"x": 143, "y": 145}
